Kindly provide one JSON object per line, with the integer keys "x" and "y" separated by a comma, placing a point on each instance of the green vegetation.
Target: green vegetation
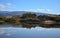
{"x": 31, "y": 20}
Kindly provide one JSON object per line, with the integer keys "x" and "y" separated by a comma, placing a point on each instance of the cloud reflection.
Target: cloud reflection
{"x": 5, "y": 32}
{"x": 40, "y": 28}
{"x": 2, "y": 31}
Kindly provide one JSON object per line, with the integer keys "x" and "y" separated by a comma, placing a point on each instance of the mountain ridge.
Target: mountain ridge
{"x": 13, "y": 13}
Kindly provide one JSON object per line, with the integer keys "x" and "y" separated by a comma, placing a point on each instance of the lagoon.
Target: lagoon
{"x": 21, "y": 32}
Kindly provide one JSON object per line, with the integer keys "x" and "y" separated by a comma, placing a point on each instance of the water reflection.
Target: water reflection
{"x": 31, "y": 25}
{"x": 37, "y": 32}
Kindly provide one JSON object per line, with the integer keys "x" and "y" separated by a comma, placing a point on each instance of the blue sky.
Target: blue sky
{"x": 45, "y": 6}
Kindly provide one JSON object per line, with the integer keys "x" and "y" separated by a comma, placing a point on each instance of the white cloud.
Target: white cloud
{"x": 39, "y": 10}
{"x": 44, "y": 10}
{"x": 48, "y": 10}
{"x": 9, "y": 4}
{"x": 2, "y": 7}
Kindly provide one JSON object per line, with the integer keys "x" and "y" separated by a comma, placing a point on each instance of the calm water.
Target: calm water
{"x": 37, "y": 32}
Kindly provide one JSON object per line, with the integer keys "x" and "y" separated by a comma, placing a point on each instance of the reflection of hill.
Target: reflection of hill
{"x": 25, "y": 25}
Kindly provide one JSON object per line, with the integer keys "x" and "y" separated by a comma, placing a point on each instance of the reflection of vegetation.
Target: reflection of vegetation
{"x": 29, "y": 20}
{"x": 29, "y": 25}
{"x": 51, "y": 26}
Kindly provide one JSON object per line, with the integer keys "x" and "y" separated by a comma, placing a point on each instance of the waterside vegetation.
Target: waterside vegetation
{"x": 32, "y": 20}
